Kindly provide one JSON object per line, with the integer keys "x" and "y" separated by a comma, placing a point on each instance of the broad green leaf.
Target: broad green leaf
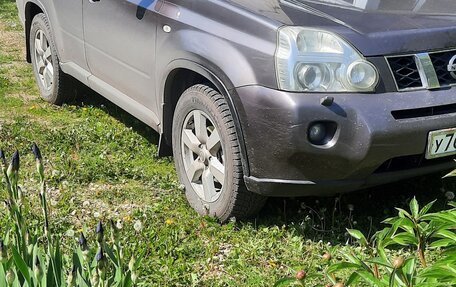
{"x": 358, "y": 235}
{"x": 2, "y": 276}
{"x": 353, "y": 279}
{"x": 16, "y": 282}
{"x": 392, "y": 278}
{"x": 118, "y": 275}
{"x": 370, "y": 279}
{"x": 285, "y": 282}
{"x": 58, "y": 263}
{"x": 405, "y": 239}
{"x": 410, "y": 268}
{"x": 406, "y": 225}
{"x": 50, "y": 273}
{"x": 403, "y": 213}
{"x": 342, "y": 265}
{"x": 81, "y": 281}
{"x": 414, "y": 207}
{"x": 438, "y": 272}
{"x": 390, "y": 220}
{"x": 381, "y": 252}
{"x": 427, "y": 207}
{"x": 112, "y": 256}
{"x": 379, "y": 261}
{"x": 446, "y": 234}
{"x": 441, "y": 217}
{"x": 22, "y": 266}
{"x": 403, "y": 223}
{"x": 128, "y": 282}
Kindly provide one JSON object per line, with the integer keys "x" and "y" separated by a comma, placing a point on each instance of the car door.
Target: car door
{"x": 120, "y": 50}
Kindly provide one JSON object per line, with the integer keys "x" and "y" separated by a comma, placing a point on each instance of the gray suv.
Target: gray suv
{"x": 258, "y": 98}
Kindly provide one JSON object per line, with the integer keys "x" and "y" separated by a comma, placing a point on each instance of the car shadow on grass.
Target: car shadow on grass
{"x": 86, "y": 97}
{"x": 327, "y": 218}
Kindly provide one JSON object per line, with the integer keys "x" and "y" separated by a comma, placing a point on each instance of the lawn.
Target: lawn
{"x": 101, "y": 164}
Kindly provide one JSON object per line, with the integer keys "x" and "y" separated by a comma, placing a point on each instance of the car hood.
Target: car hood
{"x": 374, "y": 27}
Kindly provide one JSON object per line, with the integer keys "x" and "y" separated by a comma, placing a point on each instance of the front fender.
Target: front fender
{"x": 220, "y": 81}
{"x": 219, "y": 37}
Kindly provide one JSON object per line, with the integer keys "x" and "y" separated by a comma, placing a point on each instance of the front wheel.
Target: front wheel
{"x": 55, "y": 86}
{"x": 207, "y": 156}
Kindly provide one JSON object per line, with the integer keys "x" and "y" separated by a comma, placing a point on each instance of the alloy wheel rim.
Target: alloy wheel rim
{"x": 43, "y": 60}
{"x": 203, "y": 156}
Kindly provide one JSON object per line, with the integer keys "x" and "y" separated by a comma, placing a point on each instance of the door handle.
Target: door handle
{"x": 94, "y": 1}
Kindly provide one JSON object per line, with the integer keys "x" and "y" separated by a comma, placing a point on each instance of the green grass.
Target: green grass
{"x": 102, "y": 163}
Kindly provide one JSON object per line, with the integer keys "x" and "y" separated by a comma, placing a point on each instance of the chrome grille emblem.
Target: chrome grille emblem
{"x": 452, "y": 67}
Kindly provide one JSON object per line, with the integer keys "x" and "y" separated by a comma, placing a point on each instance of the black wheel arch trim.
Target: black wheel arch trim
{"x": 28, "y": 26}
{"x": 225, "y": 87}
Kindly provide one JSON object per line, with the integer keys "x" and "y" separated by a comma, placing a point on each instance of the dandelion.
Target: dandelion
{"x": 169, "y": 221}
{"x": 449, "y": 195}
{"x": 351, "y": 207}
{"x": 96, "y": 214}
{"x": 138, "y": 226}
{"x": 119, "y": 224}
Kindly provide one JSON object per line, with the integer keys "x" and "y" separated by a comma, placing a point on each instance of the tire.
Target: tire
{"x": 199, "y": 157}
{"x": 55, "y": 86}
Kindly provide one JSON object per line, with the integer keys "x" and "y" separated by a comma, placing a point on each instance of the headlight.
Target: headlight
{"x": 314, "y": 60}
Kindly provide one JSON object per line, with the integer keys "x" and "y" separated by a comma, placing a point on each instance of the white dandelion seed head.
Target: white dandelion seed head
{"x": 449, "y": 195}
{"x": 138, "y": 226}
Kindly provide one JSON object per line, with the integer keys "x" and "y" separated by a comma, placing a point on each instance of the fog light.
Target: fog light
{"x": 322, "y": 133}
{"x": 317, "y": 133}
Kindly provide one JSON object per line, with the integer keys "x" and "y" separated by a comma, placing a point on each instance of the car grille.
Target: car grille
{"x": 424, "y": 112}
{"x": 440, "y": 62}
{"x": 405, "y": 72}
{"x": 422, "y": 71}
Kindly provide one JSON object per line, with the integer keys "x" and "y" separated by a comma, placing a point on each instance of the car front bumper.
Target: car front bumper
{"x": 380, "y": 138}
